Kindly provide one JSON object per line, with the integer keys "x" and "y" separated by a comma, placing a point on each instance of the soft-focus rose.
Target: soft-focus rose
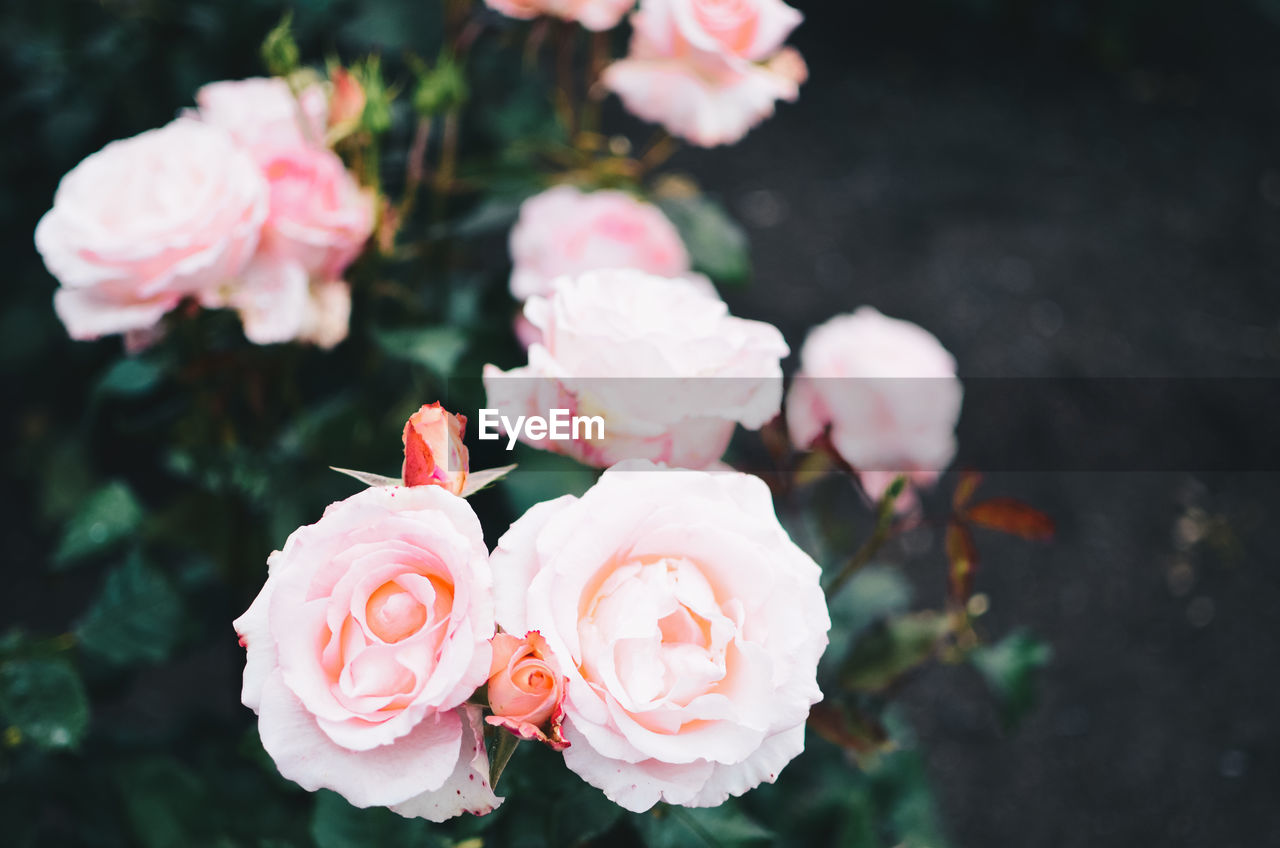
{"x": 434, "y": 454}
{"x": 708, "y": 70}
{"x": 888, "y": 391}
{"x": 146, "y": 221}
{"x": 688, "y": 624}
{"x": 262, "y": 112}
{"x": 278, "y": 302}
{"x": 592, "y": 14}
{"x": 526, "y": 689}
{"x": 564, "y": 231}
{"x": 365, "y": 643}
{"x": 664, "y": 364}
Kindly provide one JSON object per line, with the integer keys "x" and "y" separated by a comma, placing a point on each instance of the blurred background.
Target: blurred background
{"x": 1054, "y": 189}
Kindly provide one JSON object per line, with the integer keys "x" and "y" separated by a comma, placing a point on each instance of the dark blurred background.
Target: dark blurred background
{"x": 1054, "y": 189}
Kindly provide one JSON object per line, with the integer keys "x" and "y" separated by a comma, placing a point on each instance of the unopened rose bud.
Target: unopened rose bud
{"x": 346, "y": 103}
{"x": 526, "y": 689}
{"x": 434, "y": 454}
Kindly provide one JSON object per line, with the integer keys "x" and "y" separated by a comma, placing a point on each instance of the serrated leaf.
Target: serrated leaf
{"x": 891, "y": 649}
{"x": 435, "y": 348}
{"x": 1010, "y": 668}
{"x": 369, "y": 478}
{"x": 104, "y": 519}
{"x": 136, "y": 617}
{"x": 962, "y": 561}
{"x": 1008, "y": 515}
{"x": 478, "y": 480}
{"x": 45, "y": 701}
{"x": 337, "y": 824}
{"x": 725, "y": 826}
{"x": 717, "y": 246}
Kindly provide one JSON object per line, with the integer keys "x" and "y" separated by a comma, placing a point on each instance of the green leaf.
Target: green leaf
{"x": 484, "y": 478}
{"x": 874, "y": 592}
{"x": 45, "y": 701}
{"x": 717, "y": 245}
{"x": 136, "y": 617}
{"x": 373, "y": 481}
{"x": 166, "y": 802}
{"x": 725, "y": 826}
{"x": 131, "y": 377}
{"x": 581, "y": 814}
{"x": 105, "y": 518}
{"x": 435, "y": 348}
{"x": 337, "y": 824}
{"x": 1010, "y": 667}
{"x": 891, "y": 649}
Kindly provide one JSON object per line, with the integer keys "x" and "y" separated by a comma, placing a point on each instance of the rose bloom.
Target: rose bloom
{"x": 434, "y": 454}
{"x": 688, "y": 624}
{"x": 888, "y": 391}
{"x": 147, "y": 221}
{"x": 263, "y": 112}
{"x": 664, "y": 364}
{"x": 318, "y": 219}
{"x": 708, "y": 70}
{"x": 564, "y": 231}
{"x": 526, "y": 689}
{"x": 592, "y": 14}
{"x": 365, "y": 643}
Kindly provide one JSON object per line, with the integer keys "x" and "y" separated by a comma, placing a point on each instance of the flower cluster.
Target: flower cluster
{"x": 237, "y": 204}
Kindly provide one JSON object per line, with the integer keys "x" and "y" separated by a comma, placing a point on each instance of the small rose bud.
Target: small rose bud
{"x": 346, "y": 103}
{"x": 526, "y": 689}
{"x": 279, "y": 51}
{"x": 434, "y": 454}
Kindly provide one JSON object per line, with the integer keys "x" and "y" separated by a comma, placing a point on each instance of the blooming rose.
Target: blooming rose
{"x": 147, "y": 221}
{"x": 263, "y": 112}
{"x": 526, "y": 689}
{"x": 434, "y": 454}
{"x": 888, "y": 391}
{"x": 346, "y": 104}
{"x": 564, "y": 231}
{"x": 708, "y": 70}
{"x": 662, "y": 363}
{"x": 592, "y": 14}
{"x": 365, "y": 643}
{"x": 318, "y": 218}
{"x": 688, "y": 624}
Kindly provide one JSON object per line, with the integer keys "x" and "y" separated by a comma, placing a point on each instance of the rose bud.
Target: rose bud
{"x": 526, "y": 690}
{"x": 346, "y": 104}
{"x": 434, "y": 454}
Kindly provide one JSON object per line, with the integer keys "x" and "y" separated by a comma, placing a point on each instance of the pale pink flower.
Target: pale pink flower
{"x": 371, "y": 633}
{"x": 662, "y": 363}
{"x": 564, "y": 231}
{"x": 434, "y": 454}
{"x": 708, "y": 70}
{"x": 687, "y": 623}
{"x": 146, "y": 221}
{"x": 885, "y": 390}
{"x": 262, "y": 112}
{"x": 526, "y": 689}
{"x": 592, "y": 14}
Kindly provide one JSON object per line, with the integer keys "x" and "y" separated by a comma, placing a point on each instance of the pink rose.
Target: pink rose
{"x": 888, "y": 391}
{"x": 526, "y": 689}
{"x": 346, "y": 104}
{"x": 663, "y": 364}
{"x": 263, "y": 112}
{"x": 279, "y": 302}
{"x": 688, "y": 624}
{"x": 564, "y": 231}
{"x": 592, "y": 14}
{"x": 363, "y": 647}
{"x": 708, "y": 70}
{"x": 147, "y": 221}
{"x": 434, "y": 454}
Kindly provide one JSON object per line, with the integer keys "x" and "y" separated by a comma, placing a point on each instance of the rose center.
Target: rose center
{"x": 394, "y": 614}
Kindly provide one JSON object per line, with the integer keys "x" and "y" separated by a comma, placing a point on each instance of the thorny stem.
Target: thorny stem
{"x": 881, "y": 534}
